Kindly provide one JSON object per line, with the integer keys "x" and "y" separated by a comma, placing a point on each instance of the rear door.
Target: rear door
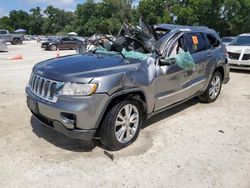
{"x": 216, "y": 52}
{"x": 66, "y": 43}
{"x": 75, "y": 43}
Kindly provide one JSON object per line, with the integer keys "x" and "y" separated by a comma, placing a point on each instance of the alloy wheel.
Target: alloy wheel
{"x": 215, "y": 86}
{"x": 126, "y": 124}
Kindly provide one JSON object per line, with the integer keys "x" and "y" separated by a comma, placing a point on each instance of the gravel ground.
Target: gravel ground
{"x": 192, "y": 145}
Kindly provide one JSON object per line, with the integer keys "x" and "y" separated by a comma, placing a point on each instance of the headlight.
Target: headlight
{"x": 78, "y": 89}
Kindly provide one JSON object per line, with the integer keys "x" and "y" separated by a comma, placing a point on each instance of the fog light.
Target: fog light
{"x": 69, "y": 120}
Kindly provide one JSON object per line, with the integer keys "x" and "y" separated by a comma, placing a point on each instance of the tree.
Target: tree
{"x": 228, "y": 17}
{"x": 56, "y": 19}
{"x": 19, "y": 19}
{"x": 36, "y": 21}
{"x": 5, "y": 23}
{"x": 155, "y": 11}
{"x": 236, "y": 14}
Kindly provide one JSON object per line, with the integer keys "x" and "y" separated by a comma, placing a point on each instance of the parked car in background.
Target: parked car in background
{"x": 227, "y": 40}
{"x": 3, "y": 46}
{"x": 42, "y": 39}
{"x": 12, "y": 38}
{"x": 107, "y": 91}
{"x": 64, "y": 43}
{"x": 239, "y": 52}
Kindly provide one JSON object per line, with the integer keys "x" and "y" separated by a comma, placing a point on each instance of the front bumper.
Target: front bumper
{"x": 237, "y": 64}
{"x": 82, "y": 113}
{"x": 45, "y": 46}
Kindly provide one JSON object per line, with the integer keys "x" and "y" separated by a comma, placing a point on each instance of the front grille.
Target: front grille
{"x": 44, "y": 88}
{"x": 235, "y": 56}
{"x": 246, "y": 57}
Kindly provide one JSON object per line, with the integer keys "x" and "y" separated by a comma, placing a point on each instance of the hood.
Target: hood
{"x": 81, "y": 67}
{"x": 46, "y": 42}
{"x": 238, "y": 49}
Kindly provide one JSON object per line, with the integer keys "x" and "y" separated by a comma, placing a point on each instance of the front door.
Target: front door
{"x": 172, "y": 81}
{"x": 176, "y": 84}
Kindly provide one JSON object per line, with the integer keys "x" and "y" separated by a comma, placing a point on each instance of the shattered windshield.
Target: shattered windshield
{"x": 135, "y": 42}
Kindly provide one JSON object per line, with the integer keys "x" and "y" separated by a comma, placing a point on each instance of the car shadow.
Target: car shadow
{"x": 170, "y": 112}
{"x": 58, "y": 139}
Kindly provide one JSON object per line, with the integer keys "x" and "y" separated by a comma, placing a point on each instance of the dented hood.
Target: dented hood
{"x": 82, "y": 67}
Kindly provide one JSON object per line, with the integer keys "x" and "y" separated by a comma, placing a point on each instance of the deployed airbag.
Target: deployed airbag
{"x": 127, "y": 54}
{"x": 185, "y": 61}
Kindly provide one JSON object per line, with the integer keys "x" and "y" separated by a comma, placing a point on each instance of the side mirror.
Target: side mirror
{"x": 167, "y": 61}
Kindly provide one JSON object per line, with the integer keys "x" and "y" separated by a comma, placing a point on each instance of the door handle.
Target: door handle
{"x": 209, "y": 55}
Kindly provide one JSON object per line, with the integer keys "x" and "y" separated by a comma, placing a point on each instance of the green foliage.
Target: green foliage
{"x": 5, "y": 23}
{"x": 228, "y": 17}
{"x": 106, "y": 16}
{"x": 19, "y": 19}
{"x": 36, "y": 21}
{"x": 155, "y": 11}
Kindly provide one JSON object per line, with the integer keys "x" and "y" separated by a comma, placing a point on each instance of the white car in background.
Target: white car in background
{"x": 3, "y": 46}
{"x": 239, "y": 52}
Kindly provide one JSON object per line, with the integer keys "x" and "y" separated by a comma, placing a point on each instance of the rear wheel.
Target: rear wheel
{"x": 121, "y": 125}
{"x": 213, "y": 90}
{"x": 16, "y": 41}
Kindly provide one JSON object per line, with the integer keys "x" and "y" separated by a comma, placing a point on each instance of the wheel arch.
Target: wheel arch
{"x": 16, "y": 38}
{"x": 135, "y": 94}
{"x": 220, "y": 69}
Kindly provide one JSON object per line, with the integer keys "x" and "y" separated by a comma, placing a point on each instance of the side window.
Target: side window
{"x": 65, "y": 39}
{"x": 177, "y": 47}
{"x": 3, "y": 32}
{"x": 213, "y": 42}
{"x": 194, "y": 42}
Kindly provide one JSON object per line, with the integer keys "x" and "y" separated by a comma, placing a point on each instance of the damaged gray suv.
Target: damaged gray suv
{"x": 108, "y": 89}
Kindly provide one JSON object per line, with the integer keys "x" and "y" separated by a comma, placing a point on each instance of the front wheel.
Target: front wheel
{"x": 121, "y": 125}
{"x": 53, "y": 47}
{"x": 213, "y": 90}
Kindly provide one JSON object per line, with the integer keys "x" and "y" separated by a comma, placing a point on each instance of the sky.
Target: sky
{"x": 8, "y": 5}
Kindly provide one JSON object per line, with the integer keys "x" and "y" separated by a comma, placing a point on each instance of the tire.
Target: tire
{"x": 116, "y": 131}
{"x": 53, "y": 47}
{"x": 16, "y": 41}
{"x": 213, "y": 90}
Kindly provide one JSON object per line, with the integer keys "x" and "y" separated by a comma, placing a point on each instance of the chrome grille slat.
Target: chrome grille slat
{"x": 37, "y": 84}
{"x": 44, "y": 88}
{"x": 34, "y": 81}
{"x": 40, "y": 86}
{"x": 48, "y": 93}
